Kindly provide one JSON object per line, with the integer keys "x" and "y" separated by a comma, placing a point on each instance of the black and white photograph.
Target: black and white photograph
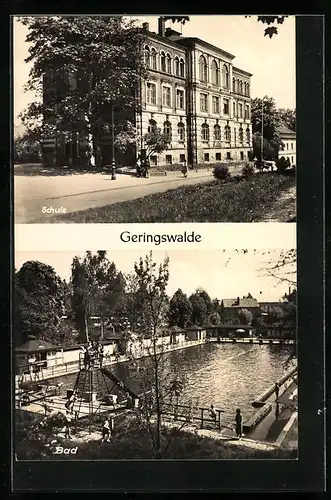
{"x": 133, "y": 119}
{"x": 186, "y": 354}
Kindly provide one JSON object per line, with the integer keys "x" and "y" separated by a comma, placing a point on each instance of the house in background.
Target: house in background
{"x": 288, "y": 147}
{"x": 35, "y": 354}
{"x": 231, "y": 307}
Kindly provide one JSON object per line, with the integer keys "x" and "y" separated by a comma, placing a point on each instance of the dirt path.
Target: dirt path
{"x": 283, "y": 209}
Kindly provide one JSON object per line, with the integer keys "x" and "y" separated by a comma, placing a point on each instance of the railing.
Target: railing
{"x": 173, "y": 410}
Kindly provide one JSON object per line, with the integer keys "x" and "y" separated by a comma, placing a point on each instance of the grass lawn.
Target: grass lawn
{"x": 235, "y": 200}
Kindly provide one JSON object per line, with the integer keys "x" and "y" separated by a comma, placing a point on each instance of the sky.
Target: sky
{"x": 271, "y": 60}
{"x": 223, "y": 274}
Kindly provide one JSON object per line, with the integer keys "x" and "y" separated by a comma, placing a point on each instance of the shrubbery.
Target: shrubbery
{"x": 282, "y": 164}
{"x": 221, "y": 172}
{"x": 248, "y": 170}
{"x": 26, "y": 150}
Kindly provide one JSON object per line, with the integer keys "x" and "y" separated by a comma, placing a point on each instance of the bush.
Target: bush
{"x": 248, "y": 170}
{"x": 26, "y": 150}
{"x": 282, "y": 164}
{"x": 291, "y": 172}
{"x": 221, "y": 172}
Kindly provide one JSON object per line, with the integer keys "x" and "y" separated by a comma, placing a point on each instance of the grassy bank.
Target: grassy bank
{"x": 235, "y": 200}
{"x": 130, "y": 441}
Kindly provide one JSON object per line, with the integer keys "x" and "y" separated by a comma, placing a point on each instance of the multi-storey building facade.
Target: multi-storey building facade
{"x": 288, "y": 147}
{"x": 193, "y": 94}
{"x": 197, "y": 97}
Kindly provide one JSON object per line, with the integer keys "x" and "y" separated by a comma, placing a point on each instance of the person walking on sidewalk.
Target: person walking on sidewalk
{"x": 184, "y": 168}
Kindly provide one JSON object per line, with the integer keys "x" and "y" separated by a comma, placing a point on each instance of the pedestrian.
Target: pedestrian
{"x": 101, "y": 354}
{"x": 139, "y": 167}
{"x": 277, "y": 390}
{"x": 212, "y": 413}
{"x": 106, "y": 431}
{"x": 184, "y": 168}
{"x": 238, "y": 424}
{"x": 67, "y": 433}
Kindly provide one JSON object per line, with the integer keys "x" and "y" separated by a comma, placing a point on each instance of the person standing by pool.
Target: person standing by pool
{"x": 277, "y": 390}
{"x": 67, "y": 433}
{"x": 238, "y": 424}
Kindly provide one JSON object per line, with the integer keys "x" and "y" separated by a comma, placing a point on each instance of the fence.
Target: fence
{"x": 173, "y": 410}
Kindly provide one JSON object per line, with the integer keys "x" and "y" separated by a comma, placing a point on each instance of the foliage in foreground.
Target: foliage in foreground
{"x": 236, "y": 200}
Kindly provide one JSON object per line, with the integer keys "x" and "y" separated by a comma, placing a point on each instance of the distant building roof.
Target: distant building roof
{"x": 230, "y": 327}
{"x": 35, "y": 346}
{"x": 240, "y": 302}
{"x": 284, "y": 132}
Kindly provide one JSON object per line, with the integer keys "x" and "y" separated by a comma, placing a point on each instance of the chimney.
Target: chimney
{"x": 289, "y": 290}
{"x": 238, "y": 300}
{"x": 161, "y": 22}
{"x": 146, "y": 26}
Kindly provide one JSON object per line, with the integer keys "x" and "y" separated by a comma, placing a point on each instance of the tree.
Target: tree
{"x": 199, "y": 309}
{"x": 39, "y": 303}
{"x": 271, "y": 119}
{"x": 214, "y": 319}
{"x": 89, "y": 66}
{"x": 270, "y": 148}
{"x": 180, "y": 309}
{"x": 245, "y": 317}
{"x": 98, "y": 289}
{"x": 288, "y": 117}
{"x": 26, "y": 149}
{"x": 155, "y": 142}
{"x": 272, "y": 22}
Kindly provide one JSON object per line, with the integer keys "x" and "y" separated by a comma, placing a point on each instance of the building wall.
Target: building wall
{"x": 288, "y": 150}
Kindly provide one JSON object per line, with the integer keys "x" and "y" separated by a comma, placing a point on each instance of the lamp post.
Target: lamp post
{"x": 113, "y": 174}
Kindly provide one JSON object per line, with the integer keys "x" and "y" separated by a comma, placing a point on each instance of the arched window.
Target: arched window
{"x": 205, "y": 132}
{"x": 146, "y": 55}
{"x": 153, "y": 59}
{"x": 181, "y": 68}
{"x": 227, "y": 133}
{"x": 234, "y": 109}
{"x": 152, "y": 127}
{"x": 233, "y": 85}
{"x": 240, "y": 87}
{"x": 177, "y": 66}
{"x": 217, "y": 132}
{"x": 226, "y": 76}
{"x": 245, "y": 88}
{"x": 248, "y": 91}
{"x": 202, "y": 69}
{"x": 235, "y": 135}
{"x": 181, "y": 132}
{"x": 248, "y": 135}
{"x": 167, "y": 130}
{"x": 163, "y": 62}
{"x": 241, "y": 135}
{"x": 168, "y": 64}
{"x": 214, "y": 73}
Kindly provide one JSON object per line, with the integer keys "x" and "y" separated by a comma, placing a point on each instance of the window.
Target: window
{"x": 176, "y": 66}
{"x": 217, "y": 133}
{"x": 168, "y": 61}
{"x": 163, "y": 62}
{"x": 248, "y": 92}
{"x": 166, "y": 96}
{"x": 182, "y": 158}
{"x": 240, "y": 110}
{"x": 235, "y": 135}
{"x": 233, "y": 84}
{"x": 240, "y": 87}
{"x": 168, "y": 159}
{"x": 153, "y": 59}
{"x": 214, "y": 73}
{"x": 153, "y": 160}
{"x": 246, "y": 112}
{"x": 167, "y": 130}
{"x": 234, "y": 110}
{"x": 218, "y": 157}
{"x": 180, "y": 99}
{"x": 248, "y": 135}
{"x": 241, "y": 135}
{"x": 287, "y": 145}
{"x": 226, "y": 77}
{"x": 215, "y": 104}
{"x": 152, "y": 127}
{"x": 225, "y": 106}
{"x": 203, "y": 103}
{"x": 146, "y": 55}
{"x": 151, "y": 93}
{"x": 291, "y": 145}
{"x": 202, "y": 69}
{"x": 228, "y": 155}
{"x": 227, "y": 133}
{"x": 292, "y": 159}
{"x": 181, "y": 68}
{"x": 205, "y": 132}
{"x": 245, "y": 88}
{"x": 241, "y": 155}
{"x": 206, "y": 157}
{"x": 181, "y": 132}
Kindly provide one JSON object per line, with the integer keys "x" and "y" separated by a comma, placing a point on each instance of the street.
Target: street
{"x": 72, "y": 193}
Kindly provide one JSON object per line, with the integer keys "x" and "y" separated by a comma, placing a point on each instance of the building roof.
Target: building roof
{"x": 230, "y": 327}
{"x": 238, "y": 70}
{"x": 284, "y": 132}
{"x": 191, "y": 41}
{"x": 35, "y": 346}
{"x": 240, "y": 302}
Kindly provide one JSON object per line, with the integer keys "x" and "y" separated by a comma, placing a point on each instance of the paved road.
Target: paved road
{"x": 83, "y": 191}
